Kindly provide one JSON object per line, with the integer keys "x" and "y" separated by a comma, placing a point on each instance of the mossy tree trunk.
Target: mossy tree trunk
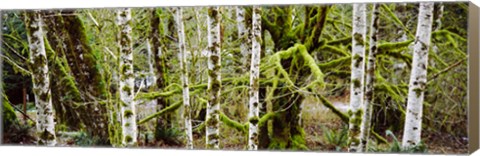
{"x": 370, "y": 80}
{"x": 254, "y": 80}
{"x": 357, "y": 78}
{"x": 158, "y": 44}
{"x": 184, "y": 76}
{"x": 68, "y": 40}
{"x": 41, "y": 82}
{"x": 214, "y": 79}
{"x": 287, "y": 131}
{"x": 129, "y": 125}
{"x": 64, "y": 93}
{"x": 418, "y": 77}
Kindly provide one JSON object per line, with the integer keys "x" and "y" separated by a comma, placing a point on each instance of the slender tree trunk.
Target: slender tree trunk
{"x": 370, "y": 80}
{"x": 244, "y": 35}
{"x": 357, "y": 78}
{"x": 183, "y": 65}
{"x": 254, "y": 80}
{"x": 418, "y": 77}
{"x": 129, "y": 125}
{"x": 151, "y": 80}
{"x": 214, "y": 79}
{"x": 41, "y": 82}
{"x": 438, "y": 15}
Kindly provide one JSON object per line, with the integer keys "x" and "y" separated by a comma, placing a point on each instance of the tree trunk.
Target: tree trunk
{"x": 244, "y": 35}
{"x": 357, "y": 77}
{"x": 158, "y": 39}
{"x": 41, "y": 82}
{"x": 184, "y": 76}
{"x": 418, "y": 77}
{"x": 129, "y": 125}
{"x": 214, "y": 78}
{"x": 84, "y": 81}
{"x": 370, "y": 81}
{"x": 254, "y": 80}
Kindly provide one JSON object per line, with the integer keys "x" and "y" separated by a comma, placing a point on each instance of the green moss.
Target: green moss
{"x": 253, "y": 120}
{"x": 128, "y": 139}
{"x": 126, "y": 88}
{"x": 128, "y": 113}
{"x": 356, "y": 83}
{"x": 9, "y": 117}
{"x": 231, "y": 123}
{"x": 418, "y": 91}
{"x": 169, "y": 109}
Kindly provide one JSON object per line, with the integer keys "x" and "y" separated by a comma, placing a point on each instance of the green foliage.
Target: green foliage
{"x": 169, "y": 135}
{"x": 395, "y": 146}
{"x": 336, "y": 138}
{"x": 86, "y": 140}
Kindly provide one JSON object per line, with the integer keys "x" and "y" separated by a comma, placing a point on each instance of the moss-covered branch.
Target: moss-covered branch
{"x": 169, "y": 109}
{"x": 396, "y": 20}
{"x": 231, "y": 123}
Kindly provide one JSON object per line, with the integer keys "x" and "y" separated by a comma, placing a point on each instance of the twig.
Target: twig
{"x": 23, "y": 113}
{"x": 445, "y": 70}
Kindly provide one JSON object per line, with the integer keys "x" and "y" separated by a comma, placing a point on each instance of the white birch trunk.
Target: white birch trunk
{"x": 129, "y": 124}
{"x": 41, "y": 83}
{"x": 370, "y": 80}
{"x": 418, "y": 77}
{"x": 183, "y": 65}
{"x": 244, "y": 35}
{"x": 214, "y": 79}
{"x": 254, "y": 80}
{"x": 357, "y": 77}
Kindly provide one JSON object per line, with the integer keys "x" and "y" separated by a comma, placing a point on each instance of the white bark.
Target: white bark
{"x": 183, "y": 65}
{"x": 357, "y": 77}
{"x": 41, "y": 82}
{"x": 370, "y": 80}
{"x": 214, "y": 78}
{"x": 418, "y": 77}
{"x": 129, "y": 124}
{"x": 244, "y": 35}
{"x": 254, "y": 80}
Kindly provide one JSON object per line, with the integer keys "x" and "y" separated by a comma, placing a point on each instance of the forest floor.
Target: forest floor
{"x": 317, "y": 120}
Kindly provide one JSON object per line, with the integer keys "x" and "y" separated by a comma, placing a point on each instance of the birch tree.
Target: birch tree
{"x": 418, "y": 77}
{"x": 357, "y": 77}
{"x": 214, "y": 78}
{"x": 438, "y": 15}
{"x": 129, "y": 125}
{"x": 183, "y": 65}
{"x": 370, "y": 80}
{"x": 244, "y": 34}
{"x": 254, "y": 79}
{"x": 41, "y": 83}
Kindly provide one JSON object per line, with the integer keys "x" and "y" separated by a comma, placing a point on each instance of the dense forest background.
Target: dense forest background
{"x": 304, "y": 83}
